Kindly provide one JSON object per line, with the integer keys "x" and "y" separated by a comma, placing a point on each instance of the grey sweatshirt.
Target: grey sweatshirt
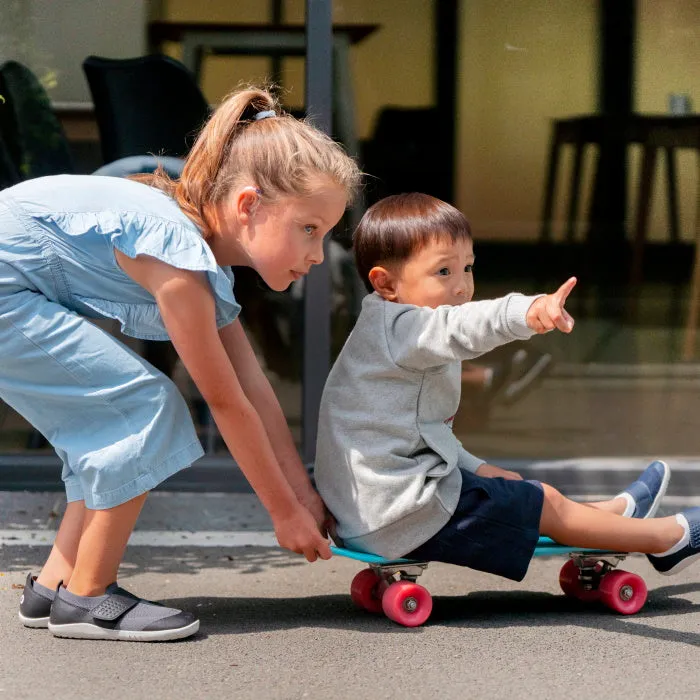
{"x": 386, "y": 457}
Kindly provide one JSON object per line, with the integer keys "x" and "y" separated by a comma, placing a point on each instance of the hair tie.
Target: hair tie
{"x": 264, "y": 115}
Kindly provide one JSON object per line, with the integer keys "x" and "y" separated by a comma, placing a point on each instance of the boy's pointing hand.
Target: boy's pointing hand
{"x": 547, "y": 312}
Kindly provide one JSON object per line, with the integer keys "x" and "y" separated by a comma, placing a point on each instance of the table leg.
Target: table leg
{"x": 550, "y": 185}
{"x": 672, "y": 193}
{"x": 646, "y": 188}
{"x": 694, "y": 305}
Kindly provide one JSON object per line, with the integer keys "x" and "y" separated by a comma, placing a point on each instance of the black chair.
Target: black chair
{"x": 8, "y": 172}
{"x": 33, "y": 138}
{"x": 149, "y": 104}
{"x": 405, "y": 154}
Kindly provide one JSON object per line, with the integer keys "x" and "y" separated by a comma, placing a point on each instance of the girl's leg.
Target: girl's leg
{"x": 59, "y": 566}
{"x": 579, "y": 525}
{"x": 101, "y": 548}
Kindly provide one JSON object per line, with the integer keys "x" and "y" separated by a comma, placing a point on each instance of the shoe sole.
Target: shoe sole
{"x": 34, "y": 622}
{"x": 684, "y": 564}
{"x": 84, "y": 630}
{"x": 662, "y": 491}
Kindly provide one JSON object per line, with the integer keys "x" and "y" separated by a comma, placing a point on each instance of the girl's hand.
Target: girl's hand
{"x": 491, "y": 472}
{"x": 547, "y": 313}
{"x": 299, "y": 533}
{"x": 313, "y": 503}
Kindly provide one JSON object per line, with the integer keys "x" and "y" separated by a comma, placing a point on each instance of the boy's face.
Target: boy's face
{"x": 438, "y": 274}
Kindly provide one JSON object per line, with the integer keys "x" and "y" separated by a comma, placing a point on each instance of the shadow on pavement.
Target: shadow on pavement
{"x": 479, "y": 610}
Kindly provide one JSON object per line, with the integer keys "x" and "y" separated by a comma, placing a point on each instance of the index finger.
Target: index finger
{"x": 563, "y": 292}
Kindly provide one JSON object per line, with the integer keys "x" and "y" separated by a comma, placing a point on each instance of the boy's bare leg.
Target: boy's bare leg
{"x": 615, "y": 505}
{"x": 101, "y": 548}
{"x": 59, "y": 565}
{"x": 580, "y": 525}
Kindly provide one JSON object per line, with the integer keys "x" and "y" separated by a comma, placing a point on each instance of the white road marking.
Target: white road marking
{"x": 155, "y": 538}
{"x": 242, "y": 538}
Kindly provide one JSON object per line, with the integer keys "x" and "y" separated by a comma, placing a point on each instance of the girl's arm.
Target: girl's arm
{"x": 187, "y": 307}
{"x": 258, "y": 390}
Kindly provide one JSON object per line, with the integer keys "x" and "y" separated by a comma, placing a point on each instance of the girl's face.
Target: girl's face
{"x": 282, "y": 239}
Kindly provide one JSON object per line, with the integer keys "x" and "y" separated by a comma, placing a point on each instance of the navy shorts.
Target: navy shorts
{"x": 495, "y": 527}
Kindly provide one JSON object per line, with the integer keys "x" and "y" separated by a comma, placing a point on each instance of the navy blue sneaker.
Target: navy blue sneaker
{"x": 644, "y": 495}
{"x": 685, "y": 552}
{"x": 35, "y": 604}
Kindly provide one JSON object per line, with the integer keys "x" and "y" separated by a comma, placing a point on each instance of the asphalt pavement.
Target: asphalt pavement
{"x": 275, "y": 626}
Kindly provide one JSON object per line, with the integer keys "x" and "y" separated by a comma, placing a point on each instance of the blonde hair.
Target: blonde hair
{"x": 281, "y": 155}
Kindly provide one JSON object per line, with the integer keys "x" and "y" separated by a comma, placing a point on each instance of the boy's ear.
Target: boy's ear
{"x": 384, "y": 282}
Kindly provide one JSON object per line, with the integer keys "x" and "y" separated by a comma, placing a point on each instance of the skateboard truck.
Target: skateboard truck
{"x": 592, "y": 569}
{"x": 406, "y": 572}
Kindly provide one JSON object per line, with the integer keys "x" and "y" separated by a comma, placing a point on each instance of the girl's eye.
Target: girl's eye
{"x": 309, "y": 229}
{"x": 444, "y": 271}
{"x": 469, "y": 268}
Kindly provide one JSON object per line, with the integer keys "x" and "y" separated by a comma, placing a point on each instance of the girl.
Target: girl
{"x": 258, "y": 189}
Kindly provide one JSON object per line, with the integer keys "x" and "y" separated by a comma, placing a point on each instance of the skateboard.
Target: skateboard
{"x": 389, "y": 586}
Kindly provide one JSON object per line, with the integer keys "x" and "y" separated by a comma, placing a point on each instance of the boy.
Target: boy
{"x": 388, "y": 465}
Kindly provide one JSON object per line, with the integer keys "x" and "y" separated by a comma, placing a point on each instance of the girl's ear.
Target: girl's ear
{"x": 384, "y": 282}
{"x": 247, "y": 201}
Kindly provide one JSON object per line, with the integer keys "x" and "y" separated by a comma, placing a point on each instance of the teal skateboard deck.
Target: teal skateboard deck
{"x": 389, "y": 586}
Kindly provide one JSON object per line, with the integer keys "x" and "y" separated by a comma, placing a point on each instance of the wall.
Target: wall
{"x": 385, "y": 71}
{"x": 667, "y": 60}
{"x": 525, "y": 62}
{"x": 53, "y": 37}
{"x": 522, "y": 63}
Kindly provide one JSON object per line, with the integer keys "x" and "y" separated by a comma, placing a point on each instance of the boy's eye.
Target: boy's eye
{"x": 469, "y": 268}
{"x": 444, "y": 271}
{"x": 309, "y": 229}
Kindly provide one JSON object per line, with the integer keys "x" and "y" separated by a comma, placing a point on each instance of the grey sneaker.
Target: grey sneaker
{"x": 35, "y": 604}
{"x": 644, "y": 495}
{"x": 117, "y": 615}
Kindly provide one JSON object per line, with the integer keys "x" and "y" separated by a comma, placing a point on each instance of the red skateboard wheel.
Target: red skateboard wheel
{"x": 623, "y": 592}
{"x": 407, "y": 603}
{"x": 572, "y": 586}
{"x": 366, "y": 591}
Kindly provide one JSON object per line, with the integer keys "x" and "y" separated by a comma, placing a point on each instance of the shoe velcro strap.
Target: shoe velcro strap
{"x": 114, "y": 606}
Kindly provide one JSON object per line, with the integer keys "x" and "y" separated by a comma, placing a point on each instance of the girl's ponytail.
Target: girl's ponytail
{"x": 199, "y": 180}
{"x": 281, "y": 155}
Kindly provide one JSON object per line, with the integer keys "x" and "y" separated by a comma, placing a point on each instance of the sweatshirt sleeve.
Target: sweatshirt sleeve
{"x": 420, "y": 338}
{"x": 466, "y": 460}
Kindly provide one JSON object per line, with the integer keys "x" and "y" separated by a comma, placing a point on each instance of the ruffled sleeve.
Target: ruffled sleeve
{"x": 174, "y": 242}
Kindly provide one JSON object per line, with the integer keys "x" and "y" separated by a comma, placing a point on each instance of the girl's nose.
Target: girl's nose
{"x": 316, "y": 257}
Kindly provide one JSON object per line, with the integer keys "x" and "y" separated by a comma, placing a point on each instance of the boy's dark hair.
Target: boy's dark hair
{"x": 399, "y": 225}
